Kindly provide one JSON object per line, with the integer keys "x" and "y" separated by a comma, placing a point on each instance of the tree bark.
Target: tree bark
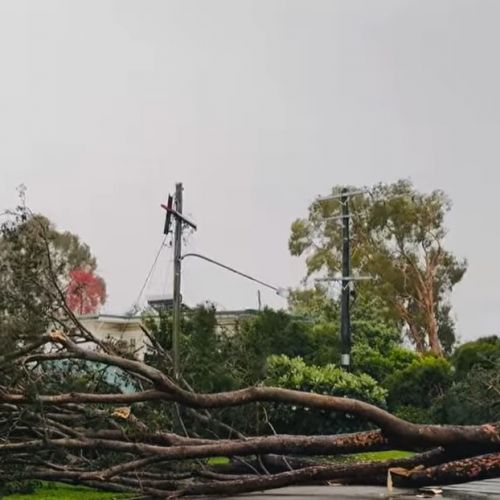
{"x": 341, "y": 473}
{"x": 458, "y": 471}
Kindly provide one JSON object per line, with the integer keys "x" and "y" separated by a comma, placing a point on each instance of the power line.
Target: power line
{"x": 279, "y": 291}
{"x": 150, "y": 273}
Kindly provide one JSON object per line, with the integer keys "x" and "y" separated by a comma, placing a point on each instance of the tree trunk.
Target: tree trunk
{"x": 458, "y": 471}
{"x": 432, "y": 333}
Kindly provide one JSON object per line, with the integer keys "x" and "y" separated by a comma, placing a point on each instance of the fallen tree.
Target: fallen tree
{"x": 62, "y": 420}
{"x": 96, "y": 438}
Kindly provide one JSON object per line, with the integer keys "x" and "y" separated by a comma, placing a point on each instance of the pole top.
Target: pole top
{"x": 178, "y": 215}
{"x": 343, "y": 194}
{"x": 345, "y": 278}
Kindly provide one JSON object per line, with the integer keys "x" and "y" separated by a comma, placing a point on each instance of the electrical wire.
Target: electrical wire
{"x": 150, "y": 273}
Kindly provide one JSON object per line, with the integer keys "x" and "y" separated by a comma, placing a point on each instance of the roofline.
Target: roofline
{"x": 237, "y": 312}
{"x": 111, "y": 317}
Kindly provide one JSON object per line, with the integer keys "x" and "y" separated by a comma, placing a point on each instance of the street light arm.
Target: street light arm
{"x": 279, "y": 291}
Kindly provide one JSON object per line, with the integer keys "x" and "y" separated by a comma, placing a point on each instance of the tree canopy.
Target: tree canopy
{"x": 38, "y": 264}
{"x": 397, "y": 239}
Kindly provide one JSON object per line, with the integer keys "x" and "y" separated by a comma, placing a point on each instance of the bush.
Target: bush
{"x": 379, "y": 366}
{"x": 473, "y": 400}
{"x": 415, "y": 415}
{"x": 296, "y": 374}
{"x": 23, "y": 487}
{"x": 484, "y": 352}
{"x": 426, "y": 379}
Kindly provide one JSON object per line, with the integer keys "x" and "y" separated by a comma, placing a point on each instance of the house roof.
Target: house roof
{"x": 112, "y": 318}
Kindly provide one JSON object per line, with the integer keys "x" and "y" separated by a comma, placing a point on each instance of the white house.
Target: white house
{"x": 126, "y": 329}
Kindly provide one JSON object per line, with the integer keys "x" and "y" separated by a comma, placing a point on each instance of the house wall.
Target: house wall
{"x": 119, "y": 330}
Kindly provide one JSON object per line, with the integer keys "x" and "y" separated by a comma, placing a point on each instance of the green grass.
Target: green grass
{"x": 372, "y": 456}
{"x": 66, "y": 492}
{"x": 382, "y": 455}
{"x": 218, "y": 461}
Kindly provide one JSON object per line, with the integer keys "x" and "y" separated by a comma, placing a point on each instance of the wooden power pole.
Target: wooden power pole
{"x": 180, "y": 221}
{"x": 177, "y": 281}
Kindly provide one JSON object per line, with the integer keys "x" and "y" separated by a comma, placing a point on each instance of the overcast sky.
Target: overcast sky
{"x": 257, "y": 107}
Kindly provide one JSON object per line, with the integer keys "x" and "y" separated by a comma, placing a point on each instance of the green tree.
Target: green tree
{"x": 35, "y": 264}
{"x": 207, "y": 351}
{"x": 377, "y": 340}
{"x": 376, "y": 336}
{"x": 207, "y": 356}
{"x": 267, "y": 333}
{"x": 314, "y": 303}
{"x": 483, "y": 352}
{"x": 398, "y": 235}
{"x": 474, "y": 399}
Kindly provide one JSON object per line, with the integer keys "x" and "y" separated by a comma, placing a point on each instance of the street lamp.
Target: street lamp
{"x": 282, "y": 292}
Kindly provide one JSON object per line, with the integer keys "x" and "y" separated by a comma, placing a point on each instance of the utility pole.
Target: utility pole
{"x": 177, "y": 280}
{"x": 345, "y": 317}
{"x": 346, "y": 279}
{"x": 180, "y": 220}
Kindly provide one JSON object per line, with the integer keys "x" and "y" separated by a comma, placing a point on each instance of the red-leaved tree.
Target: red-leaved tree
{"x": 86, "y": 291}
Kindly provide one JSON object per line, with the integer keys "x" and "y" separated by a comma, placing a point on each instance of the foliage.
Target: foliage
{"x": 211, "y": 361}
{"x": 398, "y": 236}
{"x": 313, "y": 303}
{"x": 206, "y": 353}
{"x": 419, "y": 384}
{"x": 446, "y": 328}
{"x": 35, "y": 265}
{"x": 371, "y": 324}
{"x": 296, "y": 374}
{"x": 204, "y": 350}
{"x": 86, "y": 292}
{"x": 482, "y": 352}
{"x": 323, "y": 343}
{"x": 79, "y": 376}
{"x": 24, "y": 300}
{"x": 474, "y": 399}
{"x": 275, "y": 332}
{"x": 376, "y": 336}
{"x": 380, "y": 365}
{"x": 19, "y": 487}
{"x": 415, "y": 414}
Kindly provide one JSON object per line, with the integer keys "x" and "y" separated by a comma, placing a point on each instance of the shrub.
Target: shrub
{"x": 483, "y": 352}
{"x": 473, "y": 400}
{"x": 414, "y": 414}
{"x": 426, "y": 379}
{"x": 296, "y": 374}
{"x": 381, "y": 366}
